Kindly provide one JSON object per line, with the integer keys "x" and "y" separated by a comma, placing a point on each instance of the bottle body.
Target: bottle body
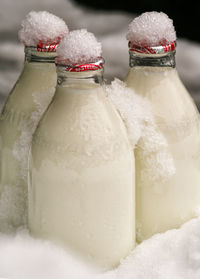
{"x": 163, "y": 205}
{"x": 81, "y": 191}
{"x": 26, "y": 103}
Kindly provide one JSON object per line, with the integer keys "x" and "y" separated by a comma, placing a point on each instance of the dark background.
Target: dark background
{"x": 185, "y": 14}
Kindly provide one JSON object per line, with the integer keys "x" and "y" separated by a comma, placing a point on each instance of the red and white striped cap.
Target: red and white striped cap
{"x": 91, "y": 66}
{"x": 48, "y": 46}
{"x": 42, "y": 47}
{"x": 161, "y": 49}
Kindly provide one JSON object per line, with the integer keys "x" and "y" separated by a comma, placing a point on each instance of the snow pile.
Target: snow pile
{"x": 42, "y": 27}
{"x": 79, "y": 47}
{"x": 151, "y": 29}
{"x": 143, "y": 132}
{"x": 174, "y": 254}
{"x": 22, "y": 257}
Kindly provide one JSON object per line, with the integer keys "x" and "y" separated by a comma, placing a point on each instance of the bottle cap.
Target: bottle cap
{"x": 161, "y": 49}
{"x": 42, "y": 47}
{"x": 91, "y": 66}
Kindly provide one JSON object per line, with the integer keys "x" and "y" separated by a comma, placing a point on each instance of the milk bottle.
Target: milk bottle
{"x": 26, "y": 103}
{"x": 81, "y": 189}
{"x": 163, "y": 204}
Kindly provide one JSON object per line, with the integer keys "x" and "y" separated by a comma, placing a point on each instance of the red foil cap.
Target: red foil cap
{"x": 161, "y": 49}
{"x": 91, "y": 66}
{"x": 42, "y": 47}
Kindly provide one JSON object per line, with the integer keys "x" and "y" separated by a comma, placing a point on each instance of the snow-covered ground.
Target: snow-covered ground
{"x": 174, "y": 254}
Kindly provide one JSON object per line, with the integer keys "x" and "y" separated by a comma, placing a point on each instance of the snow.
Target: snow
{"x": 174, "y": 254}
{"x": 23, "y": 257}
{"x": 151, "y": 29}
{"x": 42, "y": 27}
{"x": 79, "y": 47}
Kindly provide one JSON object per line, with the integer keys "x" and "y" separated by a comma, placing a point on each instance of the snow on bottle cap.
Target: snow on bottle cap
{"x": 152, "y": 33}
{"x": 80, "y": 51}
{"x": 42, "y": 30}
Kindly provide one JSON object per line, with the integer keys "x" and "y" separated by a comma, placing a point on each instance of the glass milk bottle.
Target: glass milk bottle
{"x": 81, "y": 191}
{"x": 40, "y": 33}
{"x": 163, "y": 205}
{"x": 26, "y": 103}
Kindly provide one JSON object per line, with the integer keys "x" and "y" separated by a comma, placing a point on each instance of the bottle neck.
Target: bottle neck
{"x": 89, "y": 79}
{"x": 39, "y": 55}
{"x": 85, "y": 76}
{"x": 152, "y": 60}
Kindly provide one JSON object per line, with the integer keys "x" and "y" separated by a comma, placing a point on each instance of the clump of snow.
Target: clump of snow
{"x": 134, "y": 109}
{"x": 80, "y": 46}
{"x": 42, "y": 27}
{"x": 152, "y": 147}
{"x": 151, "y": 29}
{"x": 157, "y": 163}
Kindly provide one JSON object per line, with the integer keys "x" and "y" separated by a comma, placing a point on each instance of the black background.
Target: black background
{"x": 185, "y": 14}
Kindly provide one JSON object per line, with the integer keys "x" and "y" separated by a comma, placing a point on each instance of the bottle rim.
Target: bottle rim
{"x": 161, "y": 49}
{"x": 89, "y": 66}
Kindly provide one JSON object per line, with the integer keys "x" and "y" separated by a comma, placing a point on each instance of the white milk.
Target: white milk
{"x": 163, "y": 205}
{"x": 81, "y": 191}
{"x": 26, "y": 103}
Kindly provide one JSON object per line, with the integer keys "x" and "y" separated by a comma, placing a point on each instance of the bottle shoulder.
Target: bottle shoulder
{"x": 75, "y": 116}
{"x": 82, "y": 131}
{"x": 30, "y": 87}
